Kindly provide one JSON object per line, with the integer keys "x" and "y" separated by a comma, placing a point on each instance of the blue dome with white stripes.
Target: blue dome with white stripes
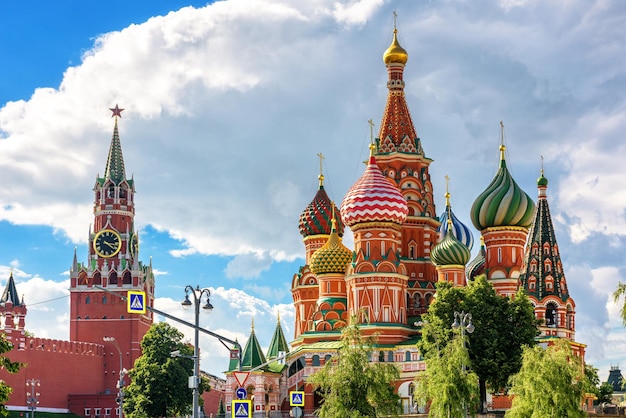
{"x": 459, "y": 230}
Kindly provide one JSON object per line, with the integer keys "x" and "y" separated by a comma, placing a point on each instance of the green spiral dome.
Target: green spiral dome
{"x": 503, "y": 203}
{"x": 450, "y": 251}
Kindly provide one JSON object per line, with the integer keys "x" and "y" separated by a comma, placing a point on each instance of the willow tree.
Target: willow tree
{"x": 447, "y": 384}
{"x": 353, "y": 387}
{"x": 550, "y": 384}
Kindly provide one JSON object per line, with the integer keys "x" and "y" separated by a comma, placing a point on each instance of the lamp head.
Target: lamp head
{"x": 186, "y": 303}
{"x": 207, "y": 307}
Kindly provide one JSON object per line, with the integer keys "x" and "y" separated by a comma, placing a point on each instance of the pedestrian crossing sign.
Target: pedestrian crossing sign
{"x": 241, "y": 408}
{"x": 136, "y": 302}
{"x": 296, "y": 398}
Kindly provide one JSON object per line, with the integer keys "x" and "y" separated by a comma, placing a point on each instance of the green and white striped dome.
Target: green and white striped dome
{"x": 503, "y": 203}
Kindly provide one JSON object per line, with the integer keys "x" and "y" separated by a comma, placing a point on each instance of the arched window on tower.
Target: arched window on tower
{"x": 551, "y": 315}
{"x": 428, "y": 299}
{"x": 417, "y": 300}
{"x": 315, "y": 360}
{"x": 569, "y": 319}
{"x": 499, "y": 255}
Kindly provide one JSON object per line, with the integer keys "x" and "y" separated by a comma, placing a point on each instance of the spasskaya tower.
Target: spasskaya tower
{"x": 98, "y": 287}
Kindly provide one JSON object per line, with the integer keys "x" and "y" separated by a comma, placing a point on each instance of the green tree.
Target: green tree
{"x": 351, "y": 386}
{"x": 550, "y": 383}
{"x": 9, "y": 366}
{"x": 159, "y": 383}
{"x": 502, "y": 327}
{"x": 605, "y": 393}
{"x": 447, "y": 384}
{"x": 617, "y": 295}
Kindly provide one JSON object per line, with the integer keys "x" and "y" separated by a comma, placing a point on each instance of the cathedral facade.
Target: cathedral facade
{"x": 401, "y": 249}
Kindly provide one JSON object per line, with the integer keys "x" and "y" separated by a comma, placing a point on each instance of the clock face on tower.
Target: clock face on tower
{"x": 134, "y": 245}
{"x": 107, "y": 243}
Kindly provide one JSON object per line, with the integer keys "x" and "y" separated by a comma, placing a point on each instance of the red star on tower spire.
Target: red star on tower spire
{"x": 116, "y": 111}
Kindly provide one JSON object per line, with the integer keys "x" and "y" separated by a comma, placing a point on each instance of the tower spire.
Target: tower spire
{"x": 115, "y": 161}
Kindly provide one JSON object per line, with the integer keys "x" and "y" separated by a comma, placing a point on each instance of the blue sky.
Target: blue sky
{"x": 228, "y": 104}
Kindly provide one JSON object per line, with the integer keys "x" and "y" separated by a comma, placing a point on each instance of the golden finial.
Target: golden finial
{"x": 371, "y": 123}
{"x": 321, "y": 176}
{"x": 252, "y": 324}
{"x": 502, "y": 146}
{"x": 395, "y": 53}
{"x": 541, "y": 165}
{"x": 333, "y": 221}
{"x": 278, "y": 316}
{"x": 447, "y": 190}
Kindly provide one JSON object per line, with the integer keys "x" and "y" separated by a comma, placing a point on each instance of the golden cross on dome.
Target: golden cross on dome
{"x": 321, "y": 176}
{"x": 542, "y": 165}
{"x": 502, "y": 146}
{"x": 117, "y": 112}
{"x": 371, "y": 123}
{"x": 447, "y": 190}
{"x": 395, "y": 20}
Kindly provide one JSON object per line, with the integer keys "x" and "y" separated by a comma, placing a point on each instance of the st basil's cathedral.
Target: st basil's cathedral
{"x": 401, "y": 249}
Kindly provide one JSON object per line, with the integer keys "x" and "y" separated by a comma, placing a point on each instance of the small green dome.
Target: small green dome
{"x": 542, "y": 181}
{"x": 450, "y": 251}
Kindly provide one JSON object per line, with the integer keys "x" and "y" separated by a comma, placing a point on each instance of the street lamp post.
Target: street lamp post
{"x": 197, "y": 294}
{"x": 32, "y": 396}
{"x": 122, "y": 373}
{"x": 463, "y": 321}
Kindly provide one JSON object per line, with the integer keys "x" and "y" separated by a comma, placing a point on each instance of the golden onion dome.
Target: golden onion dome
{"x": 395, "y": 53}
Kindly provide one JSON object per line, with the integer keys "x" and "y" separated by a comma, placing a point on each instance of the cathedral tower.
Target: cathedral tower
{"x": 401, "y": 159}
{"x": 98, "y": 288}
{"x": 376, "y": 280}
{"x": 542, "y": 276}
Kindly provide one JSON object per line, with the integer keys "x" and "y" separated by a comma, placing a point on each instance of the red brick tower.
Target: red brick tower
{"x": 400, "y": 156}
{"x": 376, "y": 280}
{"x": 315, "y": 227}
{"x": 543, "y": 278}
{"x": 98, "y": 288}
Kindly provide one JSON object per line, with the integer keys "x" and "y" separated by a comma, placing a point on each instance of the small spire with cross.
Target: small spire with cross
{"x": 321, "y": 176}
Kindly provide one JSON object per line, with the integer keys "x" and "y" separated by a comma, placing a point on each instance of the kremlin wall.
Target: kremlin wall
{"x": 402, "y": 248}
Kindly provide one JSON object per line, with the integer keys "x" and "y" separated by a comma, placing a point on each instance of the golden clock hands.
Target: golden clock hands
{"x": 109, "y": 244}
